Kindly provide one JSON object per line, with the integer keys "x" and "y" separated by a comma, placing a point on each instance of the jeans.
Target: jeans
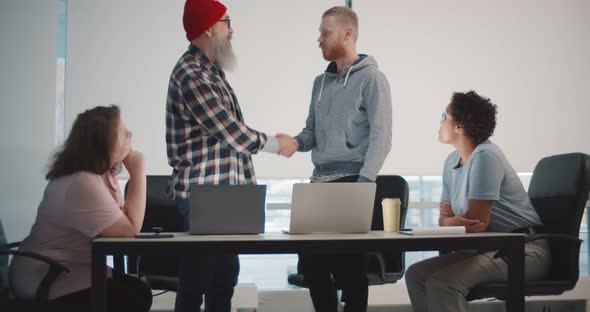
{"x": 214, "y": 276}
{"x": 324, "y": 272}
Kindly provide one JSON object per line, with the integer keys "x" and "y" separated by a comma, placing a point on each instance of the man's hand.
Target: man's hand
{"x": 448, "y": 218}
{"x": 446, "y": 210}
{"x": 460, "y": 219}
{"x": 287, "y": 144}
{"x": 476, "y": 228}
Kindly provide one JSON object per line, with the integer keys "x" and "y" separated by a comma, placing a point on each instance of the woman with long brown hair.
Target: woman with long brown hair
{"x": 83, "y": 201}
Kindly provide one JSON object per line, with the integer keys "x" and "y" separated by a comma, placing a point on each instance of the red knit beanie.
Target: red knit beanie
{"x": 199, "y": 15}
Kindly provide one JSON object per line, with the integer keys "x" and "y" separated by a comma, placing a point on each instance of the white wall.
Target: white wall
{"x": 28, "y": 32}
{"x": 530, "y": 57}
{"x": 279, "y": 59}
{"x": 123, "y": 52}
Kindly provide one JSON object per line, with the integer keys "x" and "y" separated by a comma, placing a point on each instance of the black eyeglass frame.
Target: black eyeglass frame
{"x": 227, "y": 20}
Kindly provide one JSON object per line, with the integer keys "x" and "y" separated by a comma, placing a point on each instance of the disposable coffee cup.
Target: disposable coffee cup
{"x": 391, "y": 214}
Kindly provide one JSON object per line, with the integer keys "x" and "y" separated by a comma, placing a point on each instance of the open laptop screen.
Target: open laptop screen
{"x": 332, "y": 208}
{"x": 227, "y": 209}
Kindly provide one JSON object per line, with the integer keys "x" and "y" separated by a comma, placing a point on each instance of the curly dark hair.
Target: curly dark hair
{"x": 475, "y": 113}
{"x": 88, "y": 146}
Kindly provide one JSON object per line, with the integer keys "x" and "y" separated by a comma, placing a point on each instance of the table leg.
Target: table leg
{"x": 99, "y": 274}
{"x": 515, "y": 254}
{"x": 118, "y": 266}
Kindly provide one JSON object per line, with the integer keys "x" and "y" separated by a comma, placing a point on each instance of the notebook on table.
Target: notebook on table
{"x": 434, "y": 230}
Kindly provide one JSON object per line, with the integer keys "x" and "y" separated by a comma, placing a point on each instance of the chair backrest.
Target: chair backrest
{"x": 390, "y": 186}
{"x": 160, "y": 211}
{"x": 559, "y": 190}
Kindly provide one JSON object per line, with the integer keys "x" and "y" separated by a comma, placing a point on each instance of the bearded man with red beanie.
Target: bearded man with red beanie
{"x": 208, "y": 142}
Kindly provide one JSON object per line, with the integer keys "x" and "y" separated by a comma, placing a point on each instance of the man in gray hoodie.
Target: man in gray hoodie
{"x": 348, "y": 131}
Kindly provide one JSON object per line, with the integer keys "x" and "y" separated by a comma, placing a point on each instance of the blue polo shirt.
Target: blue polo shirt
{"x": 487, "y": 175}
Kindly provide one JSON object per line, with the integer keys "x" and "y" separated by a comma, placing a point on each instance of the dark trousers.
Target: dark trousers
{"x": 124, "y": 294}
{"x": 214, "y": 276}
{"x": 326, "y": 273}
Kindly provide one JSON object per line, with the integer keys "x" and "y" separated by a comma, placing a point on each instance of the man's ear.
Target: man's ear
{"x": 348, "y": 33}
{"x": 209, "y": 32}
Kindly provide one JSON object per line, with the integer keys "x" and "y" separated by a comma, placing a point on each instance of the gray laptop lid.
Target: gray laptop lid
{"x": 332, "y": 208}
{"x": 227, "y": 209}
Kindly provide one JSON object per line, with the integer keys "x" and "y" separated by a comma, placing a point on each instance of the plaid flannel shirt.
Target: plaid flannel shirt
{"x": 206, "y": 138}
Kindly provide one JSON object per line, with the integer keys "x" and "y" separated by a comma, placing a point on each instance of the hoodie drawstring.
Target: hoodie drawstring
{"x": 324, "y": 79}
{"x": 347, "y": 74}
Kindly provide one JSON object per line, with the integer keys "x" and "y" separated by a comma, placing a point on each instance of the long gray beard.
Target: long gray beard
{"x": 225, "y": 58}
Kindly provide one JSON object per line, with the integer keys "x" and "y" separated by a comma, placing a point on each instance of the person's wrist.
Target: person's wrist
{"x": 299, "y": 142}
{"x": 136, "y": 169}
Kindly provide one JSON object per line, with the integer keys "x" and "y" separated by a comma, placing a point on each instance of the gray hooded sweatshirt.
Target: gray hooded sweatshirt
{"x": 348, "y": 129}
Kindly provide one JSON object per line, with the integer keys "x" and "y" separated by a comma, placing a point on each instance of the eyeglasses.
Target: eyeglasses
{"x": 228, "y": 21}
{"x": 443, "y": 117}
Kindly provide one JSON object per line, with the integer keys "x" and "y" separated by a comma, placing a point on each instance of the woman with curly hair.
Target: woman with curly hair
{"x": 482, "y": 192}
{"x": 83, "y": 201}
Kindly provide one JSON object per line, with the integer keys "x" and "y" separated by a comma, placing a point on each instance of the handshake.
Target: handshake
{"x": 287, "y": 144}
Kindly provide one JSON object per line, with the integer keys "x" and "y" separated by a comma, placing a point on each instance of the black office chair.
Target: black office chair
{"x": 384, "y": 267}
{"x": 7, "y": 300}
{"x": 158, "y": 272}
{"x": 558, "y": 190}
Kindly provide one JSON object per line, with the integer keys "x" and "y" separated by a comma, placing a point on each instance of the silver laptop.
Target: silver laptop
{"x": 332, "y": 208}
{"x": 227, "y": 209}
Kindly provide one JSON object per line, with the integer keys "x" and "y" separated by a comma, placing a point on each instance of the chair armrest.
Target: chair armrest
{"x": 35, "y": 256}
{"x": 55, "y": 268}
{"x": 547, "y": 236}
{"x": 380, "y": 261}
{"x": 11, "y": 245}
{"x": 535, "y": 237}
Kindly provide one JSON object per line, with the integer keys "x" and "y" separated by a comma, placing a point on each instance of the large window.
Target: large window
{"x": 60, "y": 72}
